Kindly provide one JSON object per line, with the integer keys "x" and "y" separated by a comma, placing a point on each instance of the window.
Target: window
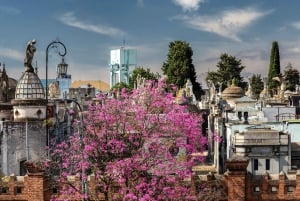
{"x": 267, "y": 164}
{"x": 274, "y": 189}
{"x": 4, "y": 190}
{"x": 240, "y": 115}
{"x": 256, "y": 189}
{"x": 290, "y": 189}
{"x": 23, "y": 170}
{"x": 18, "y": 190}
{"x": 246, "y": 116}
{"x": 55, "y": 190}
{"x": 255, "y": 164}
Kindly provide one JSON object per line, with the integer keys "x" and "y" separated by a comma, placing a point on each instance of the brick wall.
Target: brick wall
{"x": 236, "y": 179}
{"x": 32, "y": 187}
{"x": 237, "y": 184}
{"x": 245, "y": 187}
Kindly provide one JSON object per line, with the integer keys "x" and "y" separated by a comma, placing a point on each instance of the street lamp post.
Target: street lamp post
{"x": 53, "y": 44}
{"x": 83, "y": 176}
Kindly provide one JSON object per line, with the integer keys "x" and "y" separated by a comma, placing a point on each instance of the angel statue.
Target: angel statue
{"x": 283, "y": 82}
{"x": 30, "y": 49}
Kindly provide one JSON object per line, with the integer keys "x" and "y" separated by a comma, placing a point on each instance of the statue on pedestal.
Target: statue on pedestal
{"x": 30, "y": 49}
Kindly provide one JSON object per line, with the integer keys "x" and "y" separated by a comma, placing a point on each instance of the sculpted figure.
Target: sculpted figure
{"x": 283, "y": 83}
{"x": 212, "y": 90}
{"x": 249, "y": 92}
{"x": 54, "y": 91}
{"x": 30, "y": 49}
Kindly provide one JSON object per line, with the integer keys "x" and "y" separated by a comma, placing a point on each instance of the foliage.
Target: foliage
{"x": 143, "y": 141}
{"x": 144, "y": 73}
{"x": 228, "y": 68}
{"x": 179, "y": 67}
{"x": 292, "y": 75}
{"x": 119, "y": 86}
{"x": 274, "y": 67}
{"x": 257, "y": 85}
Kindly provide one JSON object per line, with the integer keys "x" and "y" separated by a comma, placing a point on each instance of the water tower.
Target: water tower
{"x": 122, "y": 63}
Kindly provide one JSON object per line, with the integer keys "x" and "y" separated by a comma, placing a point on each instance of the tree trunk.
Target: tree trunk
{"x": 106, "y": 197}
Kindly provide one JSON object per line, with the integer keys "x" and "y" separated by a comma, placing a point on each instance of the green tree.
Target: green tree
{"x": 229, "y": 68}
{"x": 274, "y": 67}
{"x": 257, "y": 85}
{"x": 119, "y": 86}
{"x": 179, "y": 67}
{"x": 292, "y": 75}
{"x": 144, "y": 73}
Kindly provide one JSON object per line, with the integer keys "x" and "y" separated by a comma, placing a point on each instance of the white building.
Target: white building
{"x": 122, "y": 63}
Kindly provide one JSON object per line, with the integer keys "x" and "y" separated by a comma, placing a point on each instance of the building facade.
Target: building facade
{"x": 122, "y": 63}
{"x": 267, "y": 150}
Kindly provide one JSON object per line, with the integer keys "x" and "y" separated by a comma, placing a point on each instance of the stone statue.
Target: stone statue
{"x": 30, "y": 49}
{"x": 297, "y": 89}
{"x": 249, "y": 92}
{"x": 54, "y": 91}
{"x": 140, "y": 81}
{"x": 212, "y": 90}
{"x": 4, "y": 88}
{"x": 283, "y": 82}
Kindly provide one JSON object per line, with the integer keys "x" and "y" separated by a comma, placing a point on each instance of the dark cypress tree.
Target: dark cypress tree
{"x": 179, "y": 67}
{"x": 274, "y": 68}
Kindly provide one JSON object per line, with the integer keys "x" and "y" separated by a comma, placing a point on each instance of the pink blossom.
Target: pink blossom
{"x": 217, "y": 138}
{"x": 127, "y": 141}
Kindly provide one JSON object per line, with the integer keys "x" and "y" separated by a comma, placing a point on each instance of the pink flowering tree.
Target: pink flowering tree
{"x": 141, "y": 142}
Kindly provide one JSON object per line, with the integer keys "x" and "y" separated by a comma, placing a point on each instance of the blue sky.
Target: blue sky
{"x": 91, "y": 28}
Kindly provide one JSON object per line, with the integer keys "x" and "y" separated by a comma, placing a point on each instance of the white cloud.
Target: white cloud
{"x": 295, "y": 50}
{"x": 228, "y": 24}
{"x": 296, "y": 25}
{"x": 11, "y": 54}
{"x": 9, "y": 10}
{"x": 140, "y": 3}
{"x": 70, "y": 20}
{"x": 189, "y": 5}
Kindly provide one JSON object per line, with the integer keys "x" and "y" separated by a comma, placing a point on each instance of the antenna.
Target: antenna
{"x": 123, "y": 43}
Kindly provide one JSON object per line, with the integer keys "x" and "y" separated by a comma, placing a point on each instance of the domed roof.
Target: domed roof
{"x": 12, "y": 83}
{"x": 233, "y": 91}
{"x": 29, "y": 87}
